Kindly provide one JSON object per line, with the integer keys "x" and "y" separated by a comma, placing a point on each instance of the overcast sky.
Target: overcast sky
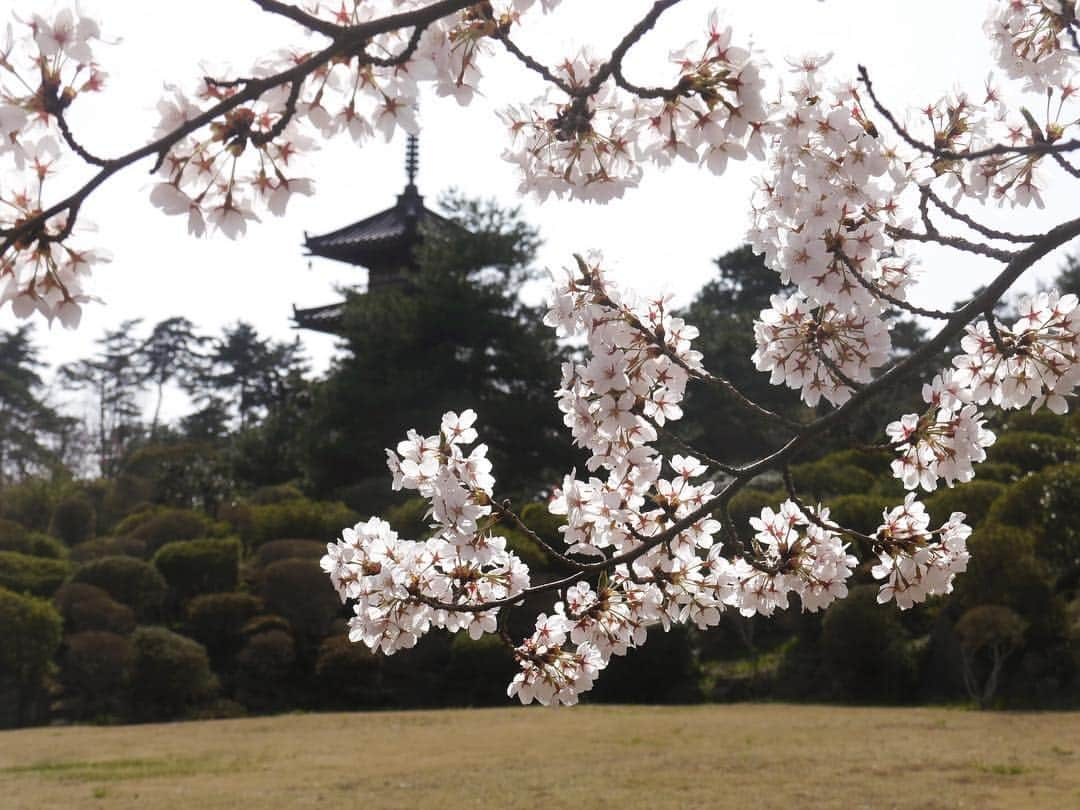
{"x": 662, "y": 235}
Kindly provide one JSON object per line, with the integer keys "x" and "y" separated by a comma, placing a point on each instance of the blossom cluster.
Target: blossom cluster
{"x": 1036, "y": 361}
{"x": 942, "y": 443}
{"x": 402, "y": 588}
{"x": 915, "y": 562}
{"x": 43, "y": 71}
{"x": 1031, "y": 42}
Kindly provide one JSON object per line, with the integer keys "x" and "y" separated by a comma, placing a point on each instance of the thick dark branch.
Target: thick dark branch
{"x": 543, "y": 70}
{"x": 77, "y": 147}
{"x": 300, "y": 16}
{"x": 614, "y": 64}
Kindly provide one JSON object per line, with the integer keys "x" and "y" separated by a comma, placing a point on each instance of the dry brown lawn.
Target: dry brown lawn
{"x": 742, "y": 756}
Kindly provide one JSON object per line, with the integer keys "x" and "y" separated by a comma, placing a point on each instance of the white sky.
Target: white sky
{"x": 662, "y": 235}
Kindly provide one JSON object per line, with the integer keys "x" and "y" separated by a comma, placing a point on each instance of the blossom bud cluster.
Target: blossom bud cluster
{"x": 915, "y": 562}
{"x": 399, "y": 585}
{"x": 1036, "y": 361}
{"x": 942, "y": 443}
{"x": 818, "y": 350}
{"x": 42, "y": 71}
{"x": 590, "y": 143}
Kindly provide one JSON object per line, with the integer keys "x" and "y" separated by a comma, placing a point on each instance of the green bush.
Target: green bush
{"x": 86, "y": 608}
{"x": 859, "y": 512}
{"x": 28, "y": 503}
{"x": 108, "y": 547}
{"x": 973, "y": 499}
{"x": 74, "y": 519}
{"x": 1031, "y": 451}
{"x": 410, "y": 519}
{"x": 263, "y": 667}
{"x": 348, "y": 675}
{"x": 14, "y": 537}
{"x": 998, "y": 471}
{"x": 302, "y": 593}
{"x": 132, "y": 582}
{"x": 1042, "y": 421}
{"x": 824, "y": 479}
{"x": 30, "y": 636}
{"x": 38, "y": 576}
{"x": 191, "y": 567}
{"x": 1048, "y": 504}
{"x": 311, "y": 550}
{"x": 478, "y": 671}
{"x": 169, "y": 673}
{"x": 865, "y": 650}
{"x": 275, "y": 494}
{"x": 748, "y": 503}
{"x": 162, "y": 525}
{"x": 264, "y": 623}
{"x": 218, "y": 619}
{"x": 296, "y": 518}
{"x": 95, "y": 669}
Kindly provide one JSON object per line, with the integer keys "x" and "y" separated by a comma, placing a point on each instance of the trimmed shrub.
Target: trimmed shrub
{"x": 217, "y": 620}
{"x": 38, "y": 576}
{"x": 311, "y": 550}
{"x": 74, "y": 519}
{"x": 31, "y": 635}
{"x": 192, "y": 567}
{"x": 263, "y": 668}
{"x": 274, "y": 494}
{"x": 1032, "y": 451}
{"x": 824, "y": 479}
{"x": 264, "y": 624}
{"x": 297, "y": 518}
{"x": 973, "y": 499}
{"x": 168, "y": 673}
{"x": 349, "y": 675}
{"x": 132, "y": 582}
{"x": 748, "y": 503}
{"x": 1048, "y": 504}
{"x": 28, "y": 503}
{"x": 162, "y": 525}
{"x": 859, "y": 512}
{"x": 95, "y": 668}
{"x": 108, "y": 547}
{"x": 410, "y": 519}
{"x": 14, "y": 537}
{"x": 87, "y": 608}
{"x": 302, "y": 593}
{"x": 998, "y": 471}
{"x": 478, "y": 670}
{"x": 865, "y": 649}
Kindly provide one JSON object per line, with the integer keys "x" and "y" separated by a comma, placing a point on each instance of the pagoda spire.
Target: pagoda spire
{"x": 412, "y": 158}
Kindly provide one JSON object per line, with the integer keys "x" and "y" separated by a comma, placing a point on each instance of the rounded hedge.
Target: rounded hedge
{"x": 289, "y": 550}
{"x": 31, "y": 634}
{"x": 96, "y": 666}
{"x": 974, "y": 499}
{"x": 14, "y": 537}
{"x": 132, "y": 582}
{"x": 38, "y": 576}
{"x": 301, "y": 592}
{"x": 217, "y": 620}
{"x": 191, "y": 567}
{"x": 108, "y": 547}
{"x": 74, "y": 519}
{"x": 169, "y": 672}
{"x": 86, "y": 608}
{"x": 295, "y": 518}
{"x": 1031, "y": 451}
{"x": 162, "y": 525}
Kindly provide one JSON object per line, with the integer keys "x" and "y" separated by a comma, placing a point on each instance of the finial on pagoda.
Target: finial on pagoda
{"x": 412, "y": 158}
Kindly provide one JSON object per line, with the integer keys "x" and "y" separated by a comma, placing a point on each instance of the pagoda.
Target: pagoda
{"x": 384, "y": 243}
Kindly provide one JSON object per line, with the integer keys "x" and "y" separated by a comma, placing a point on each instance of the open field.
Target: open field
{"x": 588, "y": 757}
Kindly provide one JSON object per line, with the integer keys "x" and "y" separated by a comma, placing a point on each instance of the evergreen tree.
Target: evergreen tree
{"x": 457, "y": 335}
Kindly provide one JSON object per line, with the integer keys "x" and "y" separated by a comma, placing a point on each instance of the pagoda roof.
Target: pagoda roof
{"x": 326, "y": 318}
{"x": 381, "y": 237}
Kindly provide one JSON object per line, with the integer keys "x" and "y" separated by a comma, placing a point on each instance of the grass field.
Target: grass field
{"x": 588, "y": 757}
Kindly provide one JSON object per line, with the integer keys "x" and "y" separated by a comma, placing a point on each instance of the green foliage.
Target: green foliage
{"x": 132, "y": 582}
{"x": 108, "y": 547}
{"x": 310, "y": 550}
{"x": 28, "y": 503}
{"x": 181, "y": 473}
{"x": 348, "y": 675}
{"x": 73, "y": 519}
{"x": 39, "y": 576}
{"x": 663, "y": 671}
{"x": 217, "y": 620}
{"x": 998, "y": 471}
{"x": 1032, "y": 451}
{"x": 974, "y": 499}
{"x": 160, "y": 525}
{"x": 31, "y": 633}
{"x": 294, "y": 518}
{"x": 987, "y": 625}
{"x": 748, "y": 503}
{"x": 301, "y": 592}
{"x": 478, "y": 670}
{"x": 274, "y": 494}
{"x": 1048, "y": 504}
{"x": 859, "y": 512}
{"x": 86, "y": 608}
{"x": 824, "y": 479}
{"x": 168, "y": 673}
{"x": 95, "y": 670}
{"x": 192, "y": 567}
{"x": 263, "y": 667}
{"x": 865, "y": 649}
{"x": 14, "y": 537}
{"x": 410, "y": 519}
